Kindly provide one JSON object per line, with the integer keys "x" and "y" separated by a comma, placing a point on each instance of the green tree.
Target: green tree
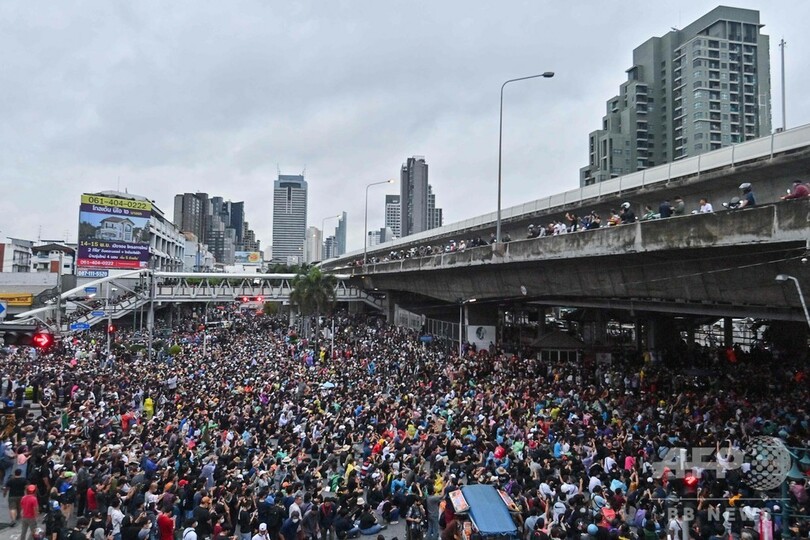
{"x": 313, "y": 293}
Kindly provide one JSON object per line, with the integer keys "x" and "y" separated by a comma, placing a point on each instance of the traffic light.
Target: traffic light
{"x": 25, "y": 335}
{"x": 245, "y": 299}
{"x": 42, "y": 340}
{"x": 111, "y": 329}
{"x": 260, "y": 299}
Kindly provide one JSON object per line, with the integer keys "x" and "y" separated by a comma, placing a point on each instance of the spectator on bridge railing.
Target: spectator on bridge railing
{"x": 649, "y": 213}
{"x": 665, "y": 209}
{"x": 748, "y": 199}
{"x": 705, "y": 206}
{"x": 679, "y": 208}
{"x": 799, "y": 191}
{"x": 614, "y": 218}
{"x": 627, "y": 214}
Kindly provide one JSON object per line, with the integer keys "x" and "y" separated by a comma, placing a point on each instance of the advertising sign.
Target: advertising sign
{"x": 92, "y": 273}
{"x": 113, "y": 233}
{"x": 248, "y": 257}
{"x": 17, "y": 299}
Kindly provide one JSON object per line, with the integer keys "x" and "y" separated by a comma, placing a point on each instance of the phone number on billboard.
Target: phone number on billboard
{"x": 120, "y": 203}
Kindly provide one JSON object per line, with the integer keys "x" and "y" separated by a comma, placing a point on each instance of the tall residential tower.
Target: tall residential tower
{"x": 690, "y": 91}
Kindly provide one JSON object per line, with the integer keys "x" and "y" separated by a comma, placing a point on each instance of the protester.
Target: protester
{"x": 267, "y": 433}
{"x": 799, "y": 191}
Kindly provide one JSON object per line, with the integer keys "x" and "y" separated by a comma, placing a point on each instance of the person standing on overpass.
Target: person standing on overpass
{"x": 799, "y": 191}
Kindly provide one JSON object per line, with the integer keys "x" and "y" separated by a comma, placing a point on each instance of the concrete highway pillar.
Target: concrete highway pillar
{"x": 594, "y": 331}
{"x": 662, "y": 334}
{"x": 728, "y": 332}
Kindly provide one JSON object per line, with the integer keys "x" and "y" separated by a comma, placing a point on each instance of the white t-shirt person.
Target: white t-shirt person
{"x": 677, "y": 529}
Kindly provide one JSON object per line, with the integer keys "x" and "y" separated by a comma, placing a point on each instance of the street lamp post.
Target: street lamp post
{"x": 323, "y": 231}
{"x": 782, "y": 278}
{"x": 461, "y": 304}
{"x": 365, "y": 221}
{"x": 547, "y": 75}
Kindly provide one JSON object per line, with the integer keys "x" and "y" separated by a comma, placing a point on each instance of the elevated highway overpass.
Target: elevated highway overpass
{"x": 769, "y": 163}
{"x": 720, "y": 264}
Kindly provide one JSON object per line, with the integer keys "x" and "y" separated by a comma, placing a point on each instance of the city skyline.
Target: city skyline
{"x": 179, "y": 121}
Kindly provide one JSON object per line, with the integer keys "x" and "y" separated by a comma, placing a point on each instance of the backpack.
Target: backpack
{"x": 274, "y": 518}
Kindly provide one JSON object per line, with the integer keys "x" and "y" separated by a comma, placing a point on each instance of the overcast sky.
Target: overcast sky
{"x": 194, "y": 95}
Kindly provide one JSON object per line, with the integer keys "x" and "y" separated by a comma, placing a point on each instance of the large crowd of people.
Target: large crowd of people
{"x": 264, "y": 435}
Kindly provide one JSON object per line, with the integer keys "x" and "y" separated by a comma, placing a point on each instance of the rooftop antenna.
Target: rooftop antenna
{"x": 782, "y": 44}
{"x": 118, "y": 189}
{"x": 278, "y": 168}
{"x": 304, "y": 172}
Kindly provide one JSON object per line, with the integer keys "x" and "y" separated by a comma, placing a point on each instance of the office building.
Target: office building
{"x": 690, "y": 91}
{"x": 340, "y": 235}
{"x": 197, "y": 257}
{"x": 289, "y": 218}
{"x": 221, "y": 237}
{"x": 249, "y": 241}
{"x": 434, "y": 214}
{"x": 415, "y": 198}
{"x": 313, "y": 251}
{"x": 235, "y": 212}
{"x": 329, "y": 248}
{"x": 216, "y": 222}
{"x": 393, "y": 214}
{"x": 380, "y": 236}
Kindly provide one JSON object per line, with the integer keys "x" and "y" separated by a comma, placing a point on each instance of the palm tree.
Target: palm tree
{"x": 313, "y": 292}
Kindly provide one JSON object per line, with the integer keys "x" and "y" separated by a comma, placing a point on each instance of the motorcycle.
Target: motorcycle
{"x": 732, "y": 204}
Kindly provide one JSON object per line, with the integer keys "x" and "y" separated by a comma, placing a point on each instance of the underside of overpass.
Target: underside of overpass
{"x": 721, "y": 264}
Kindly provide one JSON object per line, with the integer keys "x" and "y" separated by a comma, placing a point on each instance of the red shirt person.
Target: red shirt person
{"x": 165, "y": 525}
{"x": 29, "y": 511}
{"x": 799, "y": 191}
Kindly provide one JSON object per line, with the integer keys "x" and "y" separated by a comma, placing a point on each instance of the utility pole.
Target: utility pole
{"x": 782, "y": 44}
{"x": 150, "y": 319}
{"x": 59, "y": 296}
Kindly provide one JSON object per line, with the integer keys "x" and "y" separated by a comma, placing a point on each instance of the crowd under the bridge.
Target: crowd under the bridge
{"x": 268, "y": 435}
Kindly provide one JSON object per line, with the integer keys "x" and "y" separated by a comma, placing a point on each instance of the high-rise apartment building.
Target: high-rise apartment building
{"x": 415, "y": 198}
{"x": 289, "y": 218}
{"x": 393, "y": 213}
{"x": 191, "y": 213}
{"x": 690, "y": 91}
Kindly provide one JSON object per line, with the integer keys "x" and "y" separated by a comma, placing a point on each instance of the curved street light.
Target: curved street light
{"x": 365, "y": 222}
{"x": 782, "y": 278}
{"x": 546, "y": 75}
